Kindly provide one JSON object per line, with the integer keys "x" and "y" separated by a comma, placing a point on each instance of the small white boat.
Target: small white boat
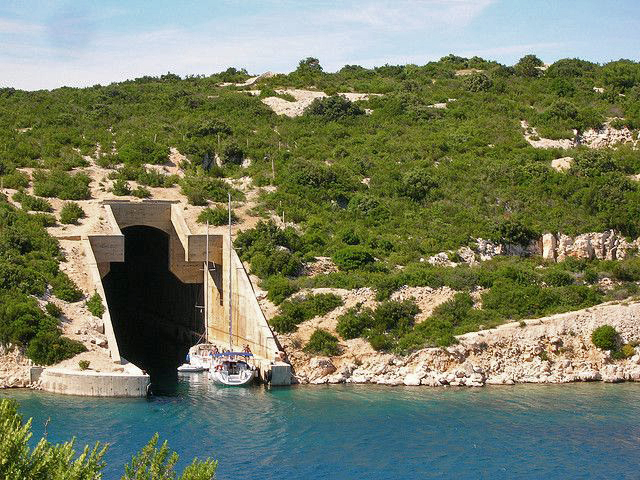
{"x": 232, "y": 369}
{"x": 188, "y": 368}
{"x": 198, "y": 359}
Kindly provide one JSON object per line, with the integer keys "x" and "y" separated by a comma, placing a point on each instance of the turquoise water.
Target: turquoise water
{"x": 321, "y": 432}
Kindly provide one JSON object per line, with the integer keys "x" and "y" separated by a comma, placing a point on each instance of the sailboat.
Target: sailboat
{"x": 232, "y": 368}
{"x": 200, "y": 357}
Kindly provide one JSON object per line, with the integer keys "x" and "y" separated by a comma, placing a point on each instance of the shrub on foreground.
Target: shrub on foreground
{"x": 19, "y": 459}
{"x": 605, "y": 337}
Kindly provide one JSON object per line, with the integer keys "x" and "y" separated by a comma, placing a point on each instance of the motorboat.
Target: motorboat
{"x": 232, "y": 369}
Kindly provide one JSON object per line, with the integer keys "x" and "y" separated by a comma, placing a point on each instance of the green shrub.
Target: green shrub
{"x": 65, "y": 289}
{"x": 199, "y": 188}
{"x": 84, "y": 364}
{"x": 354, "y": 322}
{"x": 279, "y": 288}
{"x": 333, "y": 108}
{"x": 71, "y": 212}
{"x": 61, "y": 184}
{"x": 53, "y": 310}
{"x": 121, "y": 188}
{"x": 217, "y": 216}
{"x": 28, "y": 202}
{"x": 95, "y": 305}
{"x": 49, "y": 347}
{"x": 605, "y": 337}
{"x": 142, "y": 150}
{"x": 233, "y": 154}
{"x": 60, "y": 461}
{"x": 141, "y": 192}
{"x": 295, "y": 311}
{"x": 353, "y": 257}
{"x": 627, "y": 351}
{"x": 478, "y": 82}
{"x": 322, "y": 342}
{"x": 558, "y": 278}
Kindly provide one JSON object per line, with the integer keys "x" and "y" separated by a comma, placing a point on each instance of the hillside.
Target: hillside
{"x": 407, "y": 204}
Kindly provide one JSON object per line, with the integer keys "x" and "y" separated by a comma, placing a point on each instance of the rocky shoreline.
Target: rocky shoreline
{"x": 555, "y": 349}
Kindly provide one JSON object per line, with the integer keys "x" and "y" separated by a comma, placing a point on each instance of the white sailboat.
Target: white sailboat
{"x": 200, "y": 357}
{"x": 232, "y": 368}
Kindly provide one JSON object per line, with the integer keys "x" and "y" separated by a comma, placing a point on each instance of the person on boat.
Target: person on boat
{"x": 215, "y": 350}
{"x": 247, "y": 349}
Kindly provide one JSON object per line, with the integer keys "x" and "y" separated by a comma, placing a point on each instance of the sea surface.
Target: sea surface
{"x": 364, "y": 432}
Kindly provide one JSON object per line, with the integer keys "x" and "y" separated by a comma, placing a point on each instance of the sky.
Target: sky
{"x": 49, "y": 44}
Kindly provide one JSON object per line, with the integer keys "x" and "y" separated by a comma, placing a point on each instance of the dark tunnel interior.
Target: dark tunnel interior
{"x": 155, "y": 316}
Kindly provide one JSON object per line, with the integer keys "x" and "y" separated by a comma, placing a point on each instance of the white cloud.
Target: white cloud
{"x": 18, "y": 27}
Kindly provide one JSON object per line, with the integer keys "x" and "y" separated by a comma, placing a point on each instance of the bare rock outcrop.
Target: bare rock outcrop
{"x": 607, "y": 245}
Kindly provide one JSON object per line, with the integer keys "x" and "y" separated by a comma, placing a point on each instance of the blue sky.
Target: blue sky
{"x": 47, "y": 44}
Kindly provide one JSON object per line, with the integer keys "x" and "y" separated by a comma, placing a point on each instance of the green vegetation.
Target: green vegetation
{"x": 95, "y": 305}
{"x": 217, "y": 216}
{"x": 71, "y": 212}
{"x": 60, "y": 184}
{"x": 28, "y": 202}
{"x": 295, "y": 311}
{"x": 606, "y": 337}
{"x": 84, "y": 364}
{"x": 28, "y": 263}
{"x": 19, "y": 458}
{"x": 377, "y": 193}
{"x": 323, "y": 343}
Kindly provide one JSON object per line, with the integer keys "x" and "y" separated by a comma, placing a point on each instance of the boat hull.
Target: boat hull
{"x": 221, "y": 377}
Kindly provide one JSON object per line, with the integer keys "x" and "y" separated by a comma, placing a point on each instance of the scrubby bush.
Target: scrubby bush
{"x": 49, "y": 347}
{"x": 71, "y": 212}
{"x": 95, "y": 305}
{"x": 279, "y": 288}
{"x": 142, "y": 150}
{"x": 355, "y": 322}
{"x": 233, "y": 154}
{"x": 333, "y": 108}
{"x": 478, "y": 82}
{"x": 60, "y": 461}
{"x": 121, "y": 188}
{"x": 627, "y": 351}
{"x": 528, "y": 65}
{"x": 141, "y": 192}
{"x": 199, "y": 188}
{"x": 217, "y": 216}
{"x": 353, "y": 257}
{"x": 606, "y": 337}
{"x": 322, "y": 342}
{"x": 28, "y": 202}
{"x": 84, "y": 364}
{"x": 293, "y": 312}
{"x": 53, "y": 310}
{"x": 65, "y": 289}
{"x": 513, "y": 232}
{"x": 61, "y": 184}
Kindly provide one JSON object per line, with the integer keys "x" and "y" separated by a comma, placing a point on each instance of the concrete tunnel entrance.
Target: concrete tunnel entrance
{"x": 155, "y": 316}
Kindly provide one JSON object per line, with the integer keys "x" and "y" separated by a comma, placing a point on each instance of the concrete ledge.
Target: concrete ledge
{"x": 94, "y": 384}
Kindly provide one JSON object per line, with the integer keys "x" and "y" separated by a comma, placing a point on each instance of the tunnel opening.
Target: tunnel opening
{"x": 156, "y": 317}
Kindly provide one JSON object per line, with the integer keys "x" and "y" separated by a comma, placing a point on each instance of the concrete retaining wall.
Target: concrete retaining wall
{"x": 93, "y": 384}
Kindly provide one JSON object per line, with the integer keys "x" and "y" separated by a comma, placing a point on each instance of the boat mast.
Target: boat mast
{"x": 230, "y": 281}
{"x": 206, "y": 287}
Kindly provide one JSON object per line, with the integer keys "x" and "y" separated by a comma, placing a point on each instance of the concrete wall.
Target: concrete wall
{"x": 96, "y": 281}
{"x": 94, "y": 384}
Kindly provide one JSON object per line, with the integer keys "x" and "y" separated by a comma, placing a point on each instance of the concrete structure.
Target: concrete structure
{"x": 187, "y": 253}
{"x": 95, "y": 384}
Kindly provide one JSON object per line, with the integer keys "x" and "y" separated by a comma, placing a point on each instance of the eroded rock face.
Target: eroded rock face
{"x": 608, "y": 245}
{"x": 556, "y": 349}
